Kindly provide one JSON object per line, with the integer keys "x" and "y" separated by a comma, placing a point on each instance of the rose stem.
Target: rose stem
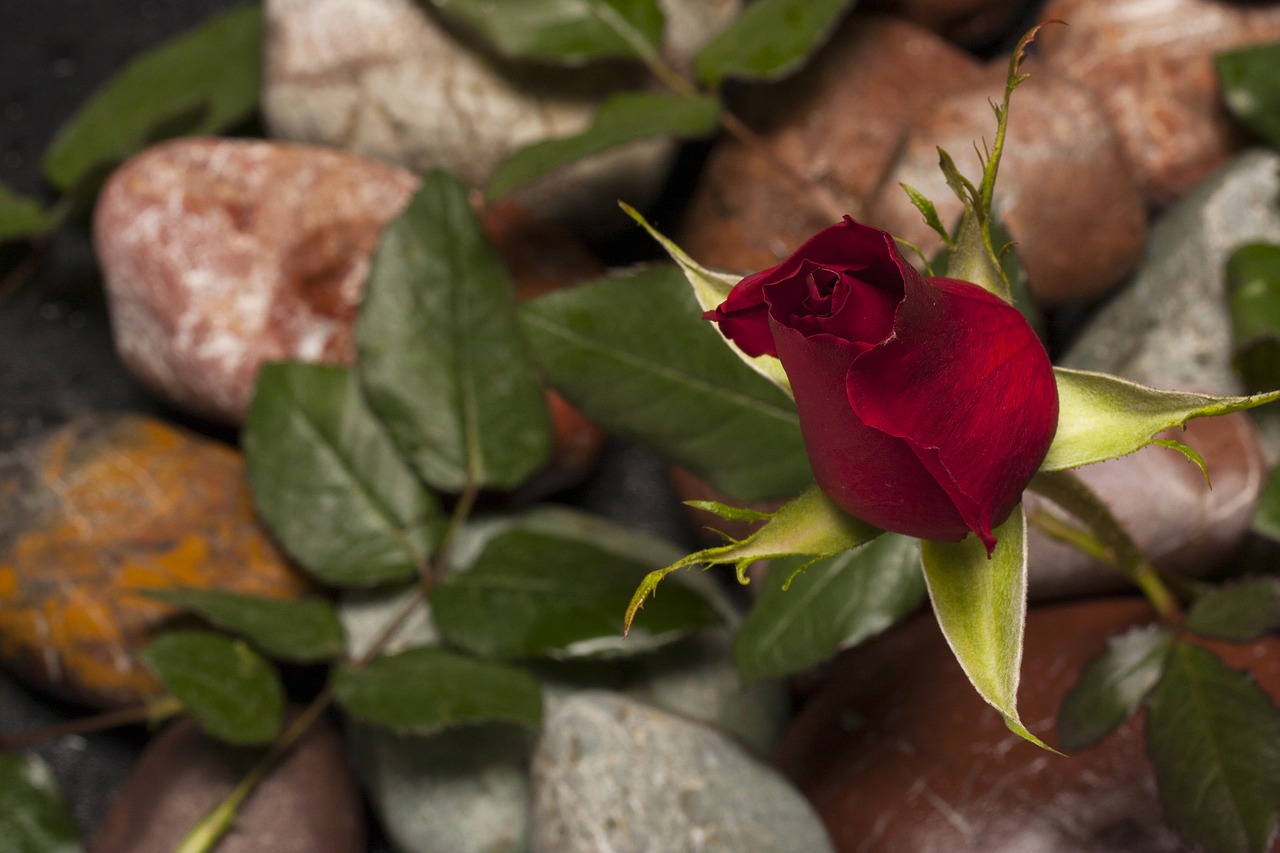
{"x": 153, "y": 712}
{"x": 1106, "y": 539}
{"x": 205, "y": 835}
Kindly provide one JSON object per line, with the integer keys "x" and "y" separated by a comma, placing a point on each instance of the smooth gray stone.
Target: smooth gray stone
{"x": 613, "y": 774}
{"x": 1170, "y": 327}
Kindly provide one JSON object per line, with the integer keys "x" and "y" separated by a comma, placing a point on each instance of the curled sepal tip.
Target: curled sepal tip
{"x": 809, "y": 526}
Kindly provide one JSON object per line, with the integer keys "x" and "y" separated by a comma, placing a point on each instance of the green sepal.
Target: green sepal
{"x": 928, "y": 211}
{"x": 808, "y": 526}
{"x": 729, "y": 513}
{"x": 1102, "y": 417}
{"x": 712, "y": 288}
{"x": 981, "y": 606}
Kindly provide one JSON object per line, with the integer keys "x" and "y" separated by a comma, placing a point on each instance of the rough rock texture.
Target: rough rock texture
{"x": 99, "y": 509}
{"x": 1169, "y": 327}
{"x": 308, "y": 804}
{"x": 838, "y": 120}
{"x": 384, "y": 78}
{"x": 1184, "y": 526}
{"x": 1066, "y": 193}
{"x": 1150, "y": 62}
{"x": 610, "y": 774}
{"x": 897, "y": 752}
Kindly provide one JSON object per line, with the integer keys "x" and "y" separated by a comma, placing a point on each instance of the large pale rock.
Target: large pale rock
{"x": 97, "y": 511}
{"x": 611, "y": 774}
{"x": 1169, "y": 327}
{"x": 838, "y": 121}
{"x": 308, "y": 804}
{"x": 896, "y": 750}
{"x": 1150, "y": 62}
{"x": 385, "y": 78}
{"x": 1066, "y": 192}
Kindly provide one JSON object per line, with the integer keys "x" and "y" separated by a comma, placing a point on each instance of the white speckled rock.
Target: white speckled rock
{"x": 385, "y": 79}
{"x": 612, "y": 774}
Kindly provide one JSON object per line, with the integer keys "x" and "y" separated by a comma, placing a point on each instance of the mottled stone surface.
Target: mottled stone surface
{"x": 1169, "y": 326}
{"x": 384, "y": 78}
{"x": 1066, "y": 193}
{"x": 308, "y": 804}
{"x": 838, "y": 121}
{"x": 611, "y": 774}
{"x": 1150, "y": 62}
{"x": 897, "y": 751}
{"x": 96, "y": 511}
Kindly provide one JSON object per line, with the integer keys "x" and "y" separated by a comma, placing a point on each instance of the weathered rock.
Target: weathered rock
{"x": 838, "y": 120}
{"x": 98, "y": 510}
{"x": 613, "y": 774}
{"x": 1184, "y": 526}
{"x": 386, "y": 79}
{"x": 1066, "y": 192}
{"x": 897, "y": 752}
{"x": 308, "y": 803}
{"x": 1169, "y": 327}
{"x": 1150, "y": 63}
{"x": 969, "y": 22}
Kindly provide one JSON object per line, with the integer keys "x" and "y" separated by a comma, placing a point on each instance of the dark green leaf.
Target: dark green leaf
{"x": 1112, "y": 686}
{"x": 635, "y": 356}
{"x": 1253, "y": 292}
{"x": 1214, "y": 739}
{"x": 532, "y": 594}
{"x": 769, "y": 40}
{"x": 214, "y": 71}
{"x": 20, "y": 216}
{"x": 1266, "y": 519}
{"x": 424, "y": 690}
{"x": 300, "y": 631}
{"x": 441, "y": 357}
{"x": 329, "y": 482}
{"x": 623, "y": 118}
{"x": 566, "y": 31}
{"x": 1250, "y": 80}
{"x": 832, "y": 605}
{"x": 1239, "y": 612}
{"x": 33, "y": 817}
{"x": 231, "y": 691}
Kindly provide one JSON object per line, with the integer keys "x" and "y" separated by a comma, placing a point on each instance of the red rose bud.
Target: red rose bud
{"x": 926, "y": 404}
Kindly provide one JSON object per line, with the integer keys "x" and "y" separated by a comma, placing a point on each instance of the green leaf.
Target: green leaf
{"x": 1102, "y": 416}
{"x": 711, "y": 288}
{"x": 1214, "y": 740}
{"x": 33, "y": 816}
{"x": 215, "y": 69}
{"x": 301, "y": 631}
{"x": 328, "y": 481}
{"x": 981, "y": 605}
{"x": 1253, "y": 293}
{"x": 633, "y": 354}
{"x": 441, "y": 358}
{"x": 226, "y": 686}
{"x": 531, "y": 594}
{"x": 769, "y": 40}
{"x": 424, "y": 690}
{"x": 623, "y": 118}
{"x": 1113, "y": 685}
{"x": 1239, "y": 612}
{"x": 21, "y": 217}
{"x": 833, "y": 604}
{"x": 571, "y": 32}
{"x": 1266, "y": 519}
{"x": 1250, "y": 81}
{"x": 808, "y": 526}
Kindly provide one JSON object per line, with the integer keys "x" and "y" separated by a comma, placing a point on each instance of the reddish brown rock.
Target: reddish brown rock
{"x": 1184, "y": 526}
{"x": 897, "y": 752}
{"x": 98, "y": 510}
{"x": 1065, "y": 191}
{"x": 969, "y": 22}
{"x": 308, "y": 804}
{"x": 1150, "y": 63}
{"x": 838, "y": 120}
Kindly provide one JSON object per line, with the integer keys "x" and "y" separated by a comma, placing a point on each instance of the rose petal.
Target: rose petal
{"x": 966, "y": 383}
